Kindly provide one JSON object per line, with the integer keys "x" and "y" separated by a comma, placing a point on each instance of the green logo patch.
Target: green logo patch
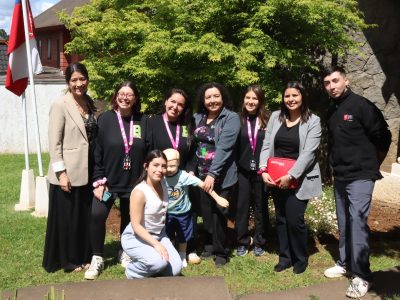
{"x": 137, "y": 131}
{"x": 184, "y": 131}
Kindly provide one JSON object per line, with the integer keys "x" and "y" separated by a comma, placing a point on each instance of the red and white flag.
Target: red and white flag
{"x": 17, "y": 71}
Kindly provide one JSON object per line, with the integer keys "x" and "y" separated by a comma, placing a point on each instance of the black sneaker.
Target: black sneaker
{"x": 241, "y": 251}
{"x": 206, "y": 254}
{"x": 300, "y": 267}
{"x": 280, "y": 267}
{"x": 220, "y": 261}
{"x": 258, "y": 251}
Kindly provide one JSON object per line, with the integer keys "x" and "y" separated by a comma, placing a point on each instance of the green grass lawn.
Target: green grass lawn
{"x": 22, "y": 240}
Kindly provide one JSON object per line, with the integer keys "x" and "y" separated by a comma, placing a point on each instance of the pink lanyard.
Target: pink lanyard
{"x": 175, "y": 143}
{"x": 253, "y": 141}
{"x": 121, "y": 127}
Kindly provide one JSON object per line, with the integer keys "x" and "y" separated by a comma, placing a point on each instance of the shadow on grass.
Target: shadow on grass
{"x": 386, "y": 283}
{"x": 381, "y": 243}
{"x": 111, "y": 253}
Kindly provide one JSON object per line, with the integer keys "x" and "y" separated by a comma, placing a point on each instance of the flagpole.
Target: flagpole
{"x": 32, "y": 87}
{"x": 26, "y": 149}
{"x": 27, "y": 191}
{"x": 42, "y": 185}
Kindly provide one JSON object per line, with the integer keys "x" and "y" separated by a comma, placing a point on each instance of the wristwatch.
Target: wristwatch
{"x": 290, "y": 177}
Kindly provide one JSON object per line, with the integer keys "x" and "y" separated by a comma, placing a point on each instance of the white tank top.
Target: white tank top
{"x": 155, "y": 209}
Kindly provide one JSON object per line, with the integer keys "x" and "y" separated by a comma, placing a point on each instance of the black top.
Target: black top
{"x": 91, "y": 132}
{"x": 245, "y": 152}
{"x": 158, "y": 138}
{"x": 357, "y": 130}
{"x": 287, "y": 141}
{"x": 110, "y": 151}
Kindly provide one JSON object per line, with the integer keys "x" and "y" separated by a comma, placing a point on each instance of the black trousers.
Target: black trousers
{"x": 251, "y": 191}
{"x": 215, "y": 220}
{"x": 99, "y": 214}
{"x": 290, "y": 226}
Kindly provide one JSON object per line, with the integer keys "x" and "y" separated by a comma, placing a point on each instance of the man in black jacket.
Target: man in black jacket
{"x": 359, "y": 141}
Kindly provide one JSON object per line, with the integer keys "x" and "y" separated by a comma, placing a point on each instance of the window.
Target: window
{"x": 48, "y": 49}
{"x": 39, "y": 44}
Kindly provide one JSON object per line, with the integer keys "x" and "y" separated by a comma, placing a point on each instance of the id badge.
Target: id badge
{"x": 127, "y": 163}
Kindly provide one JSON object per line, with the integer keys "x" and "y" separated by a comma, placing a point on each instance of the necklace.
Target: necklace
{"x": 84, "y": 111}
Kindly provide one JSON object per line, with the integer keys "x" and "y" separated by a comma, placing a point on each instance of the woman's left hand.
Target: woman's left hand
{"x": 162, "y": 251}
{"x": 283, "y": 182}
{"x": 208, "y": 184}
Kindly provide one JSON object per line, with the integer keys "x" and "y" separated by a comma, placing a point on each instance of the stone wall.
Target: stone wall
{"x": 374, "y": 72}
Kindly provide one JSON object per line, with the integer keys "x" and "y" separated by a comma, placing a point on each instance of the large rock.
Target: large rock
{"x": 374, "y": 94}
{"x": 373, "y": 66}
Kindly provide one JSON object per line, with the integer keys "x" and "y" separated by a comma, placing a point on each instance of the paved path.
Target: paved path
{"x": 386, "y": 283}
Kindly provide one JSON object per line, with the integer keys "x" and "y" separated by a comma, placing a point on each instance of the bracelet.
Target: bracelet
{"x": 262, "y": 170}
{"x": 99, "y": 182}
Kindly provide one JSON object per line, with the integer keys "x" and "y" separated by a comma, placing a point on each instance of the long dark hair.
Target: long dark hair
{"x": 185, "y": 118}
{"x": 80, "y": 68}
{"x": 262, "y": 112}
{"x": 226, "y": 97}
{"x": 149, "y": 157}
{"x": 75, "y": 67}
{"x": 305, "y": 113}
{"x": 137, "y": 106}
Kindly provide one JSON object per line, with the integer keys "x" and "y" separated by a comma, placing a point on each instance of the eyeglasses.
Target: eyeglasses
{"x": 128, "y": 95}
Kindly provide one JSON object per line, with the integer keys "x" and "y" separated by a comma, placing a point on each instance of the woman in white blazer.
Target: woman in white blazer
{"x": 292, "y": 132}
{"x": 72, "y": 132}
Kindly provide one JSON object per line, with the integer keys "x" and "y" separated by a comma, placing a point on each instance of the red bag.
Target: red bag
{"x": 278, "y": 167}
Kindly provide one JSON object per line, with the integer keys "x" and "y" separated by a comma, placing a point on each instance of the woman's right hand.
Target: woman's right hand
{"x": 98, "y": 192}
{"x": 268, "y": 180}
{"x": 208, "y": 185}
{"x": 65, "y": 184}
{"x": 162, "y": 250}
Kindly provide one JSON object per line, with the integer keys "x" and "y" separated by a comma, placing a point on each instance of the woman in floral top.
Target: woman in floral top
{"x": 215, "y": 134}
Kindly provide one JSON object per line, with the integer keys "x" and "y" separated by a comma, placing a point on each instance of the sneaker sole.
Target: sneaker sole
{"x": 334, "y": 275}
{"x": 90, "y": 277}
{"x": 194, "y": 261}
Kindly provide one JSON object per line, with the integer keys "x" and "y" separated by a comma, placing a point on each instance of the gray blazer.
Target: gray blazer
{"x": 227, "y": 128}
{"x": 306, "y": 169}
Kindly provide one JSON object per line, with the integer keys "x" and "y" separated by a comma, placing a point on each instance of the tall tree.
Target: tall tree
{"x": 3, "y": 34}
{"x": 165, "y": 43}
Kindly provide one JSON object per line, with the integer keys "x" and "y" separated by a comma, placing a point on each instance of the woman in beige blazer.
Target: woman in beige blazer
{"x": 72, "y": 132}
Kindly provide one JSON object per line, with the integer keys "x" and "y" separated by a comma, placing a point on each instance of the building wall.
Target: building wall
{"x": 374, "y": 72}
{"x": 58, "y": 58}
{"x": 11, "y": 117}
{"x": 50, "y": 46}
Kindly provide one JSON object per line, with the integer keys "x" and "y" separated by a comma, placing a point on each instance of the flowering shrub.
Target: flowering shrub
{"x": 320, "y": 214}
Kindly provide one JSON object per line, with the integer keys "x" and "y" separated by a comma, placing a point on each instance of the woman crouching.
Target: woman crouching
{"x": 144, "y": 239}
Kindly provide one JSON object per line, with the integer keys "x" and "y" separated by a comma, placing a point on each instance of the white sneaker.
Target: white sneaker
{"x": 183, "y": 258}
{"x": 335, "y": 272}
{"x": 124, "y": 259}
{"x": 358, "y": 288}
{"x": 193, "y": 258}
{"x": 96, "y": 266}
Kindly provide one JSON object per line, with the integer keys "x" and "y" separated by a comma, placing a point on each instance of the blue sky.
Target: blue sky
{"x": 7, "y": 6}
